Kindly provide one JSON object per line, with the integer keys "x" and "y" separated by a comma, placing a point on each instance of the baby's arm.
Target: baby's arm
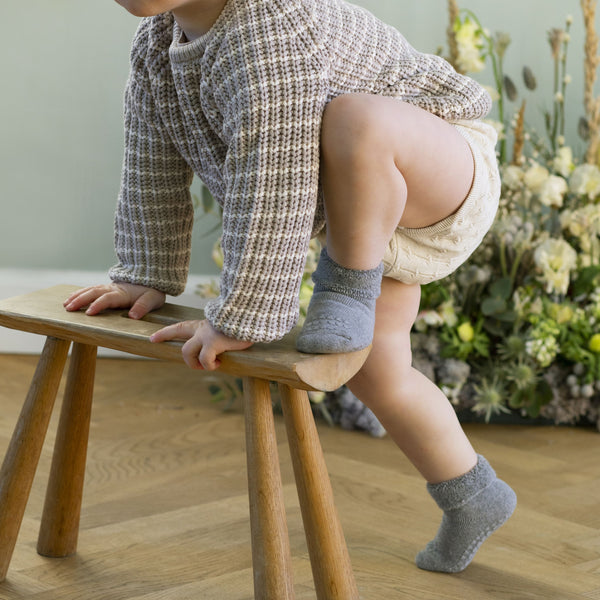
{"x": 155, "y": 214}
{"x": 272, "y": 177}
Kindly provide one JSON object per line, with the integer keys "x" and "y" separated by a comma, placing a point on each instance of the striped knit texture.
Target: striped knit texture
{"x": 242, "y": 107}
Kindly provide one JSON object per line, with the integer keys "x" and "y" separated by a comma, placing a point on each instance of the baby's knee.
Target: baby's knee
{"x": 351, "y": 130}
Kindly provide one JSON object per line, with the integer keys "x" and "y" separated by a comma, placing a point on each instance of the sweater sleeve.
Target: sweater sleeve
{"x": 274, "y": 102}
{"x": 154, "y": 216}
{"x": 431, "y": 83}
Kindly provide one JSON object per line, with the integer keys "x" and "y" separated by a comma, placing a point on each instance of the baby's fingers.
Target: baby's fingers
{"x": 73, "y": 296}
{"x": 114, "y": 298}
{"x": 179, "y": 331}
{"x": 84, "y": 297}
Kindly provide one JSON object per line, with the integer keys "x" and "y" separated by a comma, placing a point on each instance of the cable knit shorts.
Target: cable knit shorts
{"x": 428, "y": 253}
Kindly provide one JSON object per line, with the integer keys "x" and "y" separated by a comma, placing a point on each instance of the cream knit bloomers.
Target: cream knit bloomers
{"x": 428, "y": 253}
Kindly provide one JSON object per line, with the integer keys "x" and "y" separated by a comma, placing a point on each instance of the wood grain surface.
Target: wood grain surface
{"x": 165, "y": 509}
{"x": 42, "y": 312}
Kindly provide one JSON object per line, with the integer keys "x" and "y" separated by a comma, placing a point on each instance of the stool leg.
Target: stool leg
{"x": 22, "y": 457}
{"x": 332, "y": 571}
{"x": 271, "y": 557}
{"x": 60, "y": 520}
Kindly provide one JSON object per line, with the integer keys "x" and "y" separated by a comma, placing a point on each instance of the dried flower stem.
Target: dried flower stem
{"x": 592, "y": 60}
{"x": 453, "y": 13}
{"x": 519, "y": 136}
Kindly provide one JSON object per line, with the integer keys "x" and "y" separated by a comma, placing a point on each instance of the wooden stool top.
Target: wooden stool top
{"x": 42, "y": 312}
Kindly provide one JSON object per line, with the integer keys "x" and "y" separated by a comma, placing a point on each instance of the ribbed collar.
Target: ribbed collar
{"x": 182, "y": 52}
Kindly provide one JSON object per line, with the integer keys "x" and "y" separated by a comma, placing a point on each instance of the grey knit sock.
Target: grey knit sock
{"x": 341, "y": 313}
{"x": 475, "y": 505}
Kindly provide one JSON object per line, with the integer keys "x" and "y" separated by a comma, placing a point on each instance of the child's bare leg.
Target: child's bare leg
{"x": 384, "y": 163}
{"x": 413, "y": 410}
{"x": 424, "y": 425}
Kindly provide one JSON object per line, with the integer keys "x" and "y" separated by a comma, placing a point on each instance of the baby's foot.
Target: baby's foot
{"x": 475, "y": 505}
{"x": 341, "y": 313}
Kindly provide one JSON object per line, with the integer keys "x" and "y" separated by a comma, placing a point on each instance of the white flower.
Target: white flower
{"x": 585, "y": 181}
{"x": 468, "y": 37}
{"x": 583, "y": 221}
{"x": 427, "y": 318}
{"x": 543, "y": 350}
{"x": 447, "y": 313}
{"x": 493, "y": 92}
{"x": 483, "y": 274}
{"x": 512, "y": 177}
{"x": 535, "y": 177}
{"x": 563, "y": 161}
{"x": 469, "y": 59}
{"x": 552, "y": 191}
{"x": 555, "y": 258}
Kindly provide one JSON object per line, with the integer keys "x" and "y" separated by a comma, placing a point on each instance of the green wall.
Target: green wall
{"x": 63, "y": 67}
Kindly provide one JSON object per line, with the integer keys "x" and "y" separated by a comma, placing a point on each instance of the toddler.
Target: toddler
{"x": 305, "y": 118}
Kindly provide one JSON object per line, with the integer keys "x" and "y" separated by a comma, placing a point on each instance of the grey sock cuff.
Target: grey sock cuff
{"x": 356, "y": 283}
{"x": 454, "y": 493}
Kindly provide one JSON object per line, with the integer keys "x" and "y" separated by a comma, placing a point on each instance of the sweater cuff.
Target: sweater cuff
{"x": 173, "y": 286}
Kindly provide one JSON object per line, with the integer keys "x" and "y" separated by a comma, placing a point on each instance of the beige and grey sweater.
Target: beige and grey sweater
{"x": 241, "y": 107}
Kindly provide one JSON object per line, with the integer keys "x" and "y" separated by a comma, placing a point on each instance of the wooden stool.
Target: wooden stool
{"x": 42, "y": 313}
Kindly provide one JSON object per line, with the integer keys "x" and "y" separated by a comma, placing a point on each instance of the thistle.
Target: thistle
{"x": 512, "y": 348}
{"x": 522, "y": 376}
{"x": 491, "y": 396}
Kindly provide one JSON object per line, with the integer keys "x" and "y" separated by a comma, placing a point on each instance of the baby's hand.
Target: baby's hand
{"x": 204, "y": 343}
{"x": 97, "y": 298}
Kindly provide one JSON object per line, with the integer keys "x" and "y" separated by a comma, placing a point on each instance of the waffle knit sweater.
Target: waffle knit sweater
{"x": 242, "y": 106}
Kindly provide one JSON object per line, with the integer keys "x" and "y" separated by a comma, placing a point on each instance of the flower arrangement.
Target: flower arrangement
{"x": 517, "y": 328}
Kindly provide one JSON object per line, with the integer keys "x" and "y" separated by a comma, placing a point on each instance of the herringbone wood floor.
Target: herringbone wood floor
{"x": 165, "y": 513}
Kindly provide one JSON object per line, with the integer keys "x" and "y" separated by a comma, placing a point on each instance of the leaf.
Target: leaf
{"x": 493, "y": 306}
{"x": 544, "y": 393}
{"x": 494, "y": 328}
{"x": 529, "y": 78}
{"x": 586, "y": 281}
{"x": 510, "y": 88}
{"x": 481, "y": 346}
{"x": 508, "y": 316}
{"x": 502, "y": 288}
{"x": 583, "y": 129}
{"x": 517, "y": 399}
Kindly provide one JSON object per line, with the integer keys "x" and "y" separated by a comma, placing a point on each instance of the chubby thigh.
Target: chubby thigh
{"x": 424, "y": 254}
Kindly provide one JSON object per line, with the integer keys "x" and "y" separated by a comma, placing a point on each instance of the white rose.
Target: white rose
{"x": 552, "y": 191}
{"x": 555, "y": 254}
{"x": 469, "y": 59}
{"x": 563, "y": 161}
{"x": 535, "y": 177}
{"x": 585, "y": 181}
{"x": 557, "y": 281}
{"x": 555, "y": 258}
{"x": 469, "y": 42}
{"x": 512, "y": 177}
